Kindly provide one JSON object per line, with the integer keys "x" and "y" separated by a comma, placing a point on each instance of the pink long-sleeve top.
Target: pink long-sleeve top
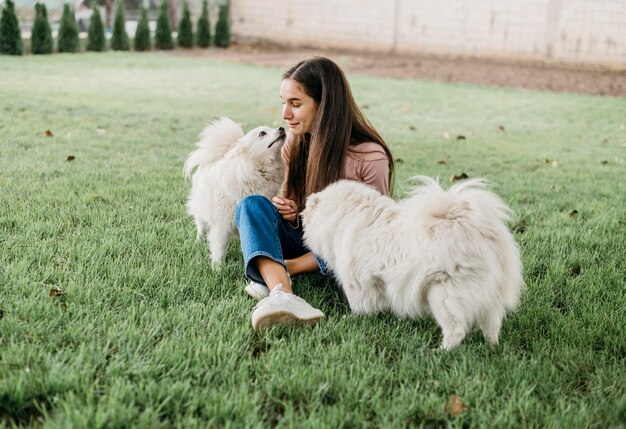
{"x": 365, "y": 162}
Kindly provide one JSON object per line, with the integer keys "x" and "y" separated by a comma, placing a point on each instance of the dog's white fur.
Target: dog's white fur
{"x": 230, "y": 166}
{"x": 447, "y": 253}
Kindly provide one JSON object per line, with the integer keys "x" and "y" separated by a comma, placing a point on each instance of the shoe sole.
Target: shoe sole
{"x": 283, "y": 318}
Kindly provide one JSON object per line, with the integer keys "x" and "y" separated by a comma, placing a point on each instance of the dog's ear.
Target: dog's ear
{"x": 312, "y": 201}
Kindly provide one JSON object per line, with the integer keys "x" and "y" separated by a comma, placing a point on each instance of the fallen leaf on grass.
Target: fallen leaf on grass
{"x": 457, "y": 177}
{"x": 573, "y": 213}
{"x": 101, "y": 131}
{"x": 70, "y": 158}
{"x": 399, "y": 160}
{"x": 520, "y": 227}
{"x": 405, "y": 107}
{"x": 461, "y": 137}
{"x": 365, "y": 106}
{"x": 48, "y": 133}
{"x": 604, "y": 162}
{"x": 446, "y": 136}
{"x": 500, "y": 129}
{"x": 412, "y": 128}
{"x": 56, "y": 292}
{"x": 552, "y": 162}
{"x": 455, "y": 406}
{"x": 443, "y": 161}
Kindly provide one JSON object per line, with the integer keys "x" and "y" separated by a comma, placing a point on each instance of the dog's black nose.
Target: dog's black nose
{"x": 281, "y": 129}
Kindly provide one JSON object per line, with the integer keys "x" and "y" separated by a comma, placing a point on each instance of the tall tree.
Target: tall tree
{"x": 41, "y": 41}
{"x": 185, "y": 31}
{"x": 68, "y": 39}
{"x": 222, "y": 28}
{"x": 204, "y": 27}
{"x": 10, "y": 35}
{"x": 163, "y": 37}
{"x": 142, "y": 35}
{"x": 119, "y": 39}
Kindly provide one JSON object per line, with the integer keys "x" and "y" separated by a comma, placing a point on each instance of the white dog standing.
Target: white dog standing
{"x": 447, "y": 253}
{"x": 230, "y": 166}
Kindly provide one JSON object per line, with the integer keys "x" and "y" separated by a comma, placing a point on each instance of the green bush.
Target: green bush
{"x": 68, "y": 31}
{"x": 10, "y": 35}
{"x": 41, "y": 35}
{"x": 95, "y": 37}
{"x": 163, "y": 37}
{"x": 204, "y": 27}
{"x": 142, "y": 35}
{"x": 119, "y": 39}
{"x": 222, "y": 28}
{"x": 185, "y": 31}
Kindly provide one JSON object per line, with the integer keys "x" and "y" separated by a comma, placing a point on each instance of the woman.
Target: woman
{"x": 329, "y": 139}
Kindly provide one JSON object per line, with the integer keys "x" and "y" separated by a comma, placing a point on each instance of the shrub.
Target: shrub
{"x": 204, "y": 27}
{"x": 119, "y": 39}
{"x": 41, "y": 35}
{"x": 163, "y": 37}
{"x": 142, "y": 35}
{"x": 185, "y": 31}
{"x": 222, "y": 28}
{"x": 10, "y": 35}
{"x": 68, "y": 31}
{"x": 95, "y": 37}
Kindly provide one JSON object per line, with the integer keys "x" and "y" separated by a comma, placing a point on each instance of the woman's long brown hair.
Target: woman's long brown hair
{"x": 318, "y": 158}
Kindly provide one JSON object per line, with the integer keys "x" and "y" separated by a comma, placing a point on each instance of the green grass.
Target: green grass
{"x": 142, "y": 332}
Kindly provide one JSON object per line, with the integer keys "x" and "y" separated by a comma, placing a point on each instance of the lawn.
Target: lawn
{"x": 111, "y": 316}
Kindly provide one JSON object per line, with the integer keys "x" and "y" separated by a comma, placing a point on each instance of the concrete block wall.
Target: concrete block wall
{"x": 591, "y": 32}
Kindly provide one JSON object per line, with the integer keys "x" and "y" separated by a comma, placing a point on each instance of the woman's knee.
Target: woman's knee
{"x": 254, "y": 205}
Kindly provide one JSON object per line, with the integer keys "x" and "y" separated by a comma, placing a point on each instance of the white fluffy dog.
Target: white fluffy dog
{"x": 230, "y": 166}
{"x": 445, "y": 253}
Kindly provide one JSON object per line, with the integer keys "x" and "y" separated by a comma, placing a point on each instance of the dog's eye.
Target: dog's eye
{"x": 262, "y": 133}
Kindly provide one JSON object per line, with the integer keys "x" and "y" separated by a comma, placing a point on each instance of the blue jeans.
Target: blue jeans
{"x": 263, "y": 232}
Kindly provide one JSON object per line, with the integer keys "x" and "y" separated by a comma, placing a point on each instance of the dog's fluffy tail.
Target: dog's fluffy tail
{"x": 469, "y": 220}
{"x": 216, "y": 139}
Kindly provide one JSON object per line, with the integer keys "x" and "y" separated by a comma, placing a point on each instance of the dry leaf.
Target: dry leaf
{"x": 455, "y": 406}
{"x": 461, "y": 137}
{"x": 412, "y": 128}
{"x": 604, "y": 162}
{"x": 555, "y": 164}
{"x": 48, "y": 133}
{"x": 446, "y": 136}
{"x": 405, "y": 107}
{"x": 458, "y": 177}
{"x": 101, "y": 131}
{"x": 399, "y": 160}
{"x": 365, "y": 106}
{"x": 70, "y": 158}
{"x": 500, "y": 129}
{"x": 443, "y": 161}
{"x": 573, "y": 213}
{"x": 55, "y": 292}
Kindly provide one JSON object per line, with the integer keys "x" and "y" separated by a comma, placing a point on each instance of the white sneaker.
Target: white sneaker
{"x": 282, "y": 308}
{"x": 259, "y": 291}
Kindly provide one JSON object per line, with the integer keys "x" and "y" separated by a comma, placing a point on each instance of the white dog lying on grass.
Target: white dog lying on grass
{"x": 447, "y": 253}
{"x": 230, "y": 166}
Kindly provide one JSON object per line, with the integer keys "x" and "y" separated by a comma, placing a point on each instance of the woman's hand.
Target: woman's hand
{"x": 286, "y": 207}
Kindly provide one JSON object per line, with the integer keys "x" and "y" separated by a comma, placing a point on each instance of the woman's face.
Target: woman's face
{"x": 299, "y": 109}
